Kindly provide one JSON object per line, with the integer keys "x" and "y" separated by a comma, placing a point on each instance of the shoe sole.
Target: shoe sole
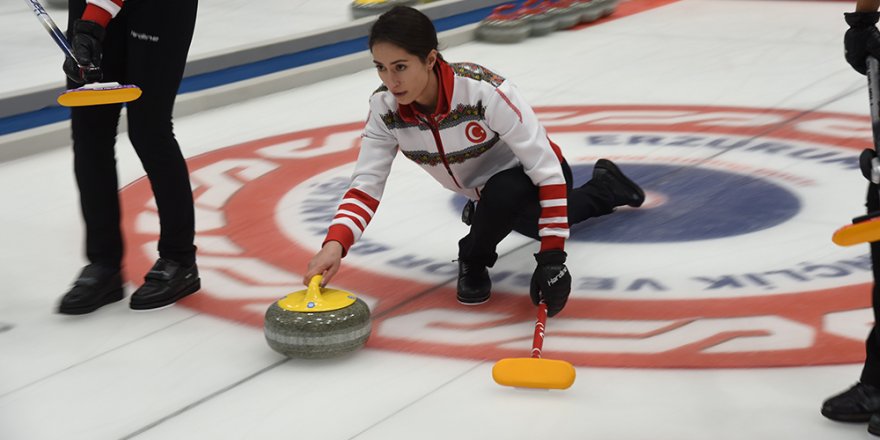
{"x": 186, "y": 291}
{"x": 847, "y": 418}
{"x": 472, "y": 302}
{"x": 612, "y": 168}
{"x": 108, "y": 298}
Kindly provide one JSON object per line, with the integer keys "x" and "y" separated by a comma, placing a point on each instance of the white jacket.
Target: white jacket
{"x": 481, "y": 126}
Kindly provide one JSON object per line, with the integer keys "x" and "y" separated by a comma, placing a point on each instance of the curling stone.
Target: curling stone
{"x": 506, "y": 24}
{"x": 567, "y": 13}
{"x": 591, "y": 10}
{"x": 542, "y": 21}
{"x": 365, "y": 8}
{"x": 608, "y": 7}
{"x": 317, "y": 323}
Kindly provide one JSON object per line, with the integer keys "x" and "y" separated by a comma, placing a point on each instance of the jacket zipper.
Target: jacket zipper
{"x": 435, "y": 131}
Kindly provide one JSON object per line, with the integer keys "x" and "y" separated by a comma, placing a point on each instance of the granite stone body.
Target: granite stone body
{"x": 608, "y": 6}
{"x": 565, "y": 13}
{"x": 591, "y": 10}
{"x": 543, "y": 23}
{"x": 504, "y": 31}
{"x": 317, "y": 335}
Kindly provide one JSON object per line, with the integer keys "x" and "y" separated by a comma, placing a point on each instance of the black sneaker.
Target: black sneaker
{"x": 856, "y": 404}
{"x": 474, "y": 285}
{"x": 96, "y": 286}
{"x": 166, "y": 283}
{"x": 623, "y": 191}
{"x": 874, "y": 424}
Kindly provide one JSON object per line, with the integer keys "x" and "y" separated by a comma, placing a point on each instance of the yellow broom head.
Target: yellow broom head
{"x": 858, "y": 233}
{"x": 533, "y": 373}
{"x": 99, "y": 94}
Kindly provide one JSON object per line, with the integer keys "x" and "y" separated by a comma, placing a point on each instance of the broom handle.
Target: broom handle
{"x": 51, "y": 27}
{"x": 874, "y": 101}
{"x": 874, "y": 98}
{"x": 540, "y": 323}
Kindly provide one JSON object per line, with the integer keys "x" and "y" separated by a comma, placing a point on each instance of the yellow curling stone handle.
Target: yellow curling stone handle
{"x": 316, "y": 298}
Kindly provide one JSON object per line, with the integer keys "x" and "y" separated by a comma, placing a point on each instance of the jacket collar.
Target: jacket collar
{"x": 410, "y": 112}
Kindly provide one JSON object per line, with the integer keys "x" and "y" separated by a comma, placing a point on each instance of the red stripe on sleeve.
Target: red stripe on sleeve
{"x": 342, "y": 235}
{"x": 558, "y": 191}
{"x": 97, "y": 14}
{"x": 363, "y": 197}
{"x": 357, "y": 210}
{"x": 553, "y": 192}
{"x": 354, "y": 219}
{"x": 556, "y": 151}
{"x": 513, "y": 107}
{"x": 554, "y": 225}
{"x": 552, "y": 242}
{"x": 555, "y": 211}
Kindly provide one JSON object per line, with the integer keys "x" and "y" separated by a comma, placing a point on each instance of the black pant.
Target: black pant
{"x": 509, "y": 202}
{"x": 146, "y": 45}
{"x": 871, "y": 370}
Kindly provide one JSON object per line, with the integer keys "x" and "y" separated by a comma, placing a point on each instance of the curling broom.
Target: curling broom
{"x": 535, "y": 372}
{"x": 866, "y": 228}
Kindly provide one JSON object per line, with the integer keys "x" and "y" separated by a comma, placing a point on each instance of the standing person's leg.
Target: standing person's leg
{"x": 870, "y": 378}
{"x": 93, "y": 132}
{"x": 94, "y": 164}
{"x": 159, "y": 37}
{"x": 863, "y": 399}
{"x": 871, "y": 369}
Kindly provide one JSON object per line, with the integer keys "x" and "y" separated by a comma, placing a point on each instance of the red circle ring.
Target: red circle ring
{"x": 250, "y": 224}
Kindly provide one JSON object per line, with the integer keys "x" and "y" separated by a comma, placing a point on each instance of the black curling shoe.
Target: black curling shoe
{"x": 856, "y": 404}
{"x": 622, "y": 190}
{"x": 95, "y": 287}
{"x": 874, "y": 424}
{"x": 166, "y": 283}
{"x": 474, "y": 285}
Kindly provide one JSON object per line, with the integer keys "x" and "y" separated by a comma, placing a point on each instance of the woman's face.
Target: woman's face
{"x": 404, "y": 74}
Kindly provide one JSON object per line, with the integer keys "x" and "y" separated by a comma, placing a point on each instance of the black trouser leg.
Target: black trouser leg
{"x": 158, "y": 44}
{"x": 588, "y": 201}
{"x": 505, "y": 196}
{"x": 146, "y": 45}
{"x": 509, "y": 201}
{"x": 94, "y": 163}
{"x": 93, "y": 131}
{"x": 871, "y": 370}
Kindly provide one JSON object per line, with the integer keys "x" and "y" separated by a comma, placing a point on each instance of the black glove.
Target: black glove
{"x": 85, "y": 41}
{"x": 551, "y": 281}
{"x": 861, "y": 39}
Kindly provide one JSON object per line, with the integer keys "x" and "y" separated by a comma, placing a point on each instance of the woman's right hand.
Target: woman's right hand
{"x": 326, "y": 262}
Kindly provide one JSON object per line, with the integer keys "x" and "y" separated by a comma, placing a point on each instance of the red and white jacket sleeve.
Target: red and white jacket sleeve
{"x": 360, "y": 202}
{"x": 102, "y": 11}
{"x": 515, "y": 121}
